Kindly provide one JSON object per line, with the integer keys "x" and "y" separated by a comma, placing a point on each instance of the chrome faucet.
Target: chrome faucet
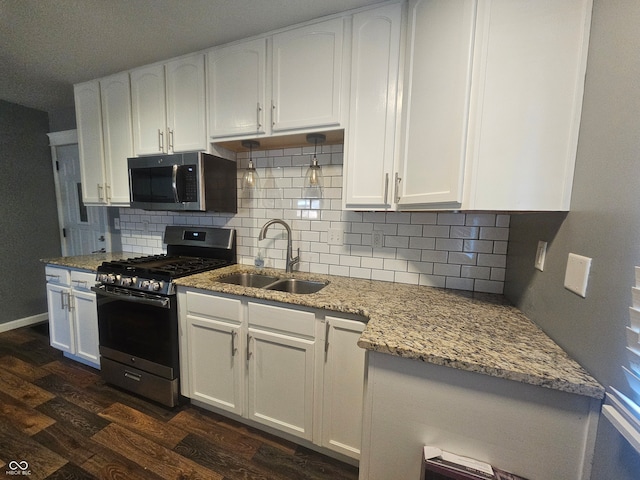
{"x": 290, "y": 261}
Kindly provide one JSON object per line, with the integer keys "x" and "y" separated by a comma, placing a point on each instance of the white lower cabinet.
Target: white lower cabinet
{"x": 73, "y": 316}
{"x": 216, "y": 364}
{"x": 280, "y": 353}
{"x": 343, "y": 391}
{"x": 291, "y": 369}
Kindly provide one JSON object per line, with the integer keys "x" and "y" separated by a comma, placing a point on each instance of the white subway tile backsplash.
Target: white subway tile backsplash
{"x": 441, "y": 249}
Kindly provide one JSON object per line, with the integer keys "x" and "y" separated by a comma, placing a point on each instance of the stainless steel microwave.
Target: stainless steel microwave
{"x": 193, "y": 181}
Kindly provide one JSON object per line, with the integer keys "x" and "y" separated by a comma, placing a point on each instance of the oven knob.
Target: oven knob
{"x": 145, "y": 284}
{"x": 155, "y": 286}
{"x": 126, "y": 281}
{"x": 110, "y": 278}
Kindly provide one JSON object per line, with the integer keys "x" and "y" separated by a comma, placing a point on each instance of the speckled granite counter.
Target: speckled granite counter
{"x": 480, "y": 333}
{"x": 475, "y": 332}
{"x": 86, "y": 262}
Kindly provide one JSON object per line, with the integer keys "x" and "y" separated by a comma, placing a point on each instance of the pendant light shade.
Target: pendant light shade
{"x": 313, "y": 181}
{"x": 250, "y": 179}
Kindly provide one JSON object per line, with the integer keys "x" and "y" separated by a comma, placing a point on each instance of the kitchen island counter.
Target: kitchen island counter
{"x": 475, "y": 332}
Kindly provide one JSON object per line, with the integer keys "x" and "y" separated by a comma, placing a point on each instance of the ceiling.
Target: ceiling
{"x": 47, "y": 46}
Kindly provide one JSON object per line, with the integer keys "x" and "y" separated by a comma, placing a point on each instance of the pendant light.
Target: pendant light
{"x": 313, "y": 177}
{"x": 250, "y": 179}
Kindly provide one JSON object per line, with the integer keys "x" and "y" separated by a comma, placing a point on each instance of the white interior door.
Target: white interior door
{"x": 84, "y": 228}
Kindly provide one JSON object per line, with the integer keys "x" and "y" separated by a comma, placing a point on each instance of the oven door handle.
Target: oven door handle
{"x": 174, "y": 183}
{"x": 156, "y": 301}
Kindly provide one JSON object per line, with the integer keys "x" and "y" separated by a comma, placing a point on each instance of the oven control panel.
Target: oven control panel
{"x": 135, "y": 283}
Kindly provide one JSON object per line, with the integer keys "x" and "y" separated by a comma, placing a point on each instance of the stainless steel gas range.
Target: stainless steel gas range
{"x": 138, "y": 315}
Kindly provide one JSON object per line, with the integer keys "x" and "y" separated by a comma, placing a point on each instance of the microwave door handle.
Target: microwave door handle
{"x": 174, "y": 183}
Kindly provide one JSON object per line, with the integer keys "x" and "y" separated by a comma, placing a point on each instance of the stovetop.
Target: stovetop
{"x": 166, "y": 266}
{"x": 190, "y": 250}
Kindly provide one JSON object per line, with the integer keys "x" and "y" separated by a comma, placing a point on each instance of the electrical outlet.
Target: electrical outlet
{"x": 377, "y": 239}
{"x": 145, "y": 225}
{"x": 334, "y": 236}
{"x": 541, "y": 255}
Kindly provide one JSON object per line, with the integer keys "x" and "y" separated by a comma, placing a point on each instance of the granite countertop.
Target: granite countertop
{"x": 86, "y": 262}
{"x": 469, "y": 331}
{"x": 480, "y": 333}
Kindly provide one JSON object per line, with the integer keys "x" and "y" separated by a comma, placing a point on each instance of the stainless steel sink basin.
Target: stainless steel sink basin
{"x": 255, "y": 280}
{"x": 294, "y": 285}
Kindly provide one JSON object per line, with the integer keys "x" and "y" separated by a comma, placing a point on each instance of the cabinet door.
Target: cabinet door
{"x": 216, "y": 363}
{"x": 148, "y": 109}
{"x": 281, "y": 381}
{"x": 372, "y": 122}
{"x": 186, "y": 105}
{"x": 528, "y": 86}
{"x": 115, "y": 94}
{"x": 85, "y": 321}
{"x": 307, "y": 76}
{"x": 90, "y": 146}
{"x": 343, "y": 391}
{"x": 237, "y": 89}
{"x": 437, "y": 94}
{"x": 60, "y": 321}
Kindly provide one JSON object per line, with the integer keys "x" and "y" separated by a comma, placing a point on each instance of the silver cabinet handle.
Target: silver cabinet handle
{"x": 62, "y": 305}
{"x": 70, "y": 302}
{"x": 273, "y": 113}
{"x": 397, "y": 188}
{"x": 171, "y": 132}
{"x": 248, "y": 345}
{"x": 107, "y": 188}
{"x": 233, "y": 343}
{"x": 326, "y": 338}
{"x": 259, "y": 116}
{"x": 386, "y": 187}
{"x": 100, "y": 194}
{"x": 160, "y": 140}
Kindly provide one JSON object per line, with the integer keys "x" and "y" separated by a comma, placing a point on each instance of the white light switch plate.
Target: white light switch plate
{"x": 577, "y": 274}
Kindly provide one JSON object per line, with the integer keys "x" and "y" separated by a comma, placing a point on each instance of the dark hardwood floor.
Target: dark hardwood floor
{"x": 62, "y": 420}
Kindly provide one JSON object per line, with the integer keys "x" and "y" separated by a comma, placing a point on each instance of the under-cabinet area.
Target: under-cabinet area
{"x": 294, "y": 370}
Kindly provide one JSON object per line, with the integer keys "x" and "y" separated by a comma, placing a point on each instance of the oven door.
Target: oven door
{"x": 138, "y": 329}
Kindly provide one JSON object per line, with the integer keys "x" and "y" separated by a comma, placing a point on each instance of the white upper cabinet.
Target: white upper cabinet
{"x": 186, "y": 105}
{"x": 118, "y": 135}
{"x": 169, "y": 107}
{"x": 90, "y": 141}
{"x": 237, "y": 89}
{"x": 103, "y": 115}
{"x": 529, "y": 70}
{"x": 307, "y": 77}
{"x": 149, "y": 110}
{"x": 437, "y": 88}
{"x": 493, "y": 98}
{"x": 370, "y": 147}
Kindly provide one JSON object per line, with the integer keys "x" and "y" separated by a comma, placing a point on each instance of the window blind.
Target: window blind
{"x": 623, "y": 409}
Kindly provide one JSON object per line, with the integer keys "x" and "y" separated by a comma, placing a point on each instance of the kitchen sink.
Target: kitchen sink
{"x": 268, "y": 282}
{"x": 255, "y": 280}
{"x": 294, "y": 285}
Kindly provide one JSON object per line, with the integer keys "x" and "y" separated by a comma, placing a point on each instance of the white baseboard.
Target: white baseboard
{"x": 23, "y": 322}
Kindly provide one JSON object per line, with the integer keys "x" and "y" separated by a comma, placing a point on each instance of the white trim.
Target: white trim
{"x": 23, "y": 322}
{"x": 66, "y": 137}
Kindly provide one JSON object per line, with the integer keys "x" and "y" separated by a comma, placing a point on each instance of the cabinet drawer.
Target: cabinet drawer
{"x": 59, "y": 276}
{"x": 82, "y": 280}
{"x": 282, "y": 319}
{"x": 209, "y": 306}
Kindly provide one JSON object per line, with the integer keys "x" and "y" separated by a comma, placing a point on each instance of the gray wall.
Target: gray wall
{"x": 27, "y": 211}
{"x": 604, "y": 224}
